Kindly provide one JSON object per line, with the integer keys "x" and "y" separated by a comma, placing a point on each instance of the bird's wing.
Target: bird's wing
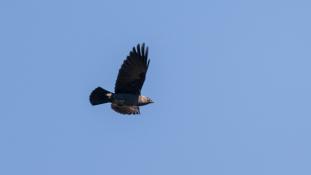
{"x": 125, "y": 109}
{"x": 133, "y": 71}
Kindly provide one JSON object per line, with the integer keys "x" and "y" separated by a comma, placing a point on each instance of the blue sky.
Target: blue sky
{"x": 230, "y": 81}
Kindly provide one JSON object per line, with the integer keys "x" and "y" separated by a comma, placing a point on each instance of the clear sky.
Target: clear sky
{"x": 230, "y": 81}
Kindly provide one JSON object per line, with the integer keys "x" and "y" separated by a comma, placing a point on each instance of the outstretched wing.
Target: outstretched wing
{"x": 133, "y": 71}
{"x": 125, "y": 109}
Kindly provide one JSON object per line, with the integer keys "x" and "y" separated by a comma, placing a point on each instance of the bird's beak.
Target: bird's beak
{"x": 151, "y": 101}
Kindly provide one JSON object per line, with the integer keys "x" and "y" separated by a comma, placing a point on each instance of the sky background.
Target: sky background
{"x": 230, "y": 81}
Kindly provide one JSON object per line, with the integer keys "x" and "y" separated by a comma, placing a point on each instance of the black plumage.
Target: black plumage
{"x": 132, "y": 74}
{"x": 133, "y": 71}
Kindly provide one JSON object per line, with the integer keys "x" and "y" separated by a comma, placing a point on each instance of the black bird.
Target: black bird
{"x": 127, "y": 97}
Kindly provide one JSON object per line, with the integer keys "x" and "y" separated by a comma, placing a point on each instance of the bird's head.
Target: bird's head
{"x": 143, "y": 100}
{"x": 149, "y": 100}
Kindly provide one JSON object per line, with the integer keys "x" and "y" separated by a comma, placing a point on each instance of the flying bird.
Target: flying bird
{"x": 127, "y": 97}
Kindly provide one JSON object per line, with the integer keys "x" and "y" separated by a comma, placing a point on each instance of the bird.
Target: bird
{"x": 127, "y": 97}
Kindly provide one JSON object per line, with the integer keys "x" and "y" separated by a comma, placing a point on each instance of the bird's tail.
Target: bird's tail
{"x": 100, "y": 96}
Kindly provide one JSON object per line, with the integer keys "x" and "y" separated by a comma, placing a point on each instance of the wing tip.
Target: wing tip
{"x": 142, "y": 51}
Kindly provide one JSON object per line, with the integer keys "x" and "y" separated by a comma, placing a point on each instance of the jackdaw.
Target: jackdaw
{"x": 127, "y": 97}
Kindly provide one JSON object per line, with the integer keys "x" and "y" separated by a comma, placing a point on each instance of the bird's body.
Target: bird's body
{"x": 127, "y": 97}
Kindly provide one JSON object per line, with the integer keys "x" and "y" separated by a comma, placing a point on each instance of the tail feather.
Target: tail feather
{"x": 100, "y": 96}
